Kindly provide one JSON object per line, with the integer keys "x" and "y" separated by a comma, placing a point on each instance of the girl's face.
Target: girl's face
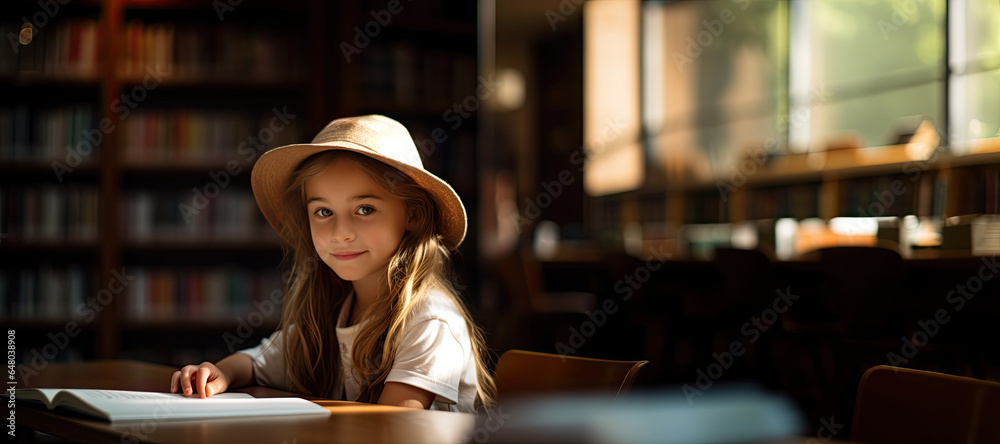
{"x": 356, "y": 225}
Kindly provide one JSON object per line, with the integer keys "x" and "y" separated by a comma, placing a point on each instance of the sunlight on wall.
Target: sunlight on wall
{"x": 615, "y": 161}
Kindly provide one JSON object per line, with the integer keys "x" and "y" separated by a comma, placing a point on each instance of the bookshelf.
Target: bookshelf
{"x": 417, "y": 62}
{"x": 943, "y": 185}
{"x": 104, "y": 242}
{"x": 165, "y": 105}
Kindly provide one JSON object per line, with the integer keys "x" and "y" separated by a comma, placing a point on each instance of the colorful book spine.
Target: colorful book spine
{"x": 49, "y": 213}
{"x": 205, "y": 294}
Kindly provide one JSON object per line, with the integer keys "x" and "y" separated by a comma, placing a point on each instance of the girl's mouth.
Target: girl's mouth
{"x": 347, "y": 256}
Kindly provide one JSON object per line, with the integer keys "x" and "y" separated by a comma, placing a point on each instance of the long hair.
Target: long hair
{"x": 314, "y": 293}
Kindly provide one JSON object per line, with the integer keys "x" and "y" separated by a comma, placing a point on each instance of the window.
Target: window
{"x": 722, "y": 79}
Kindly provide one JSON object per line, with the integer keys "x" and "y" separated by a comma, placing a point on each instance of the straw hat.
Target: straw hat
{"x": 378, "y": 137}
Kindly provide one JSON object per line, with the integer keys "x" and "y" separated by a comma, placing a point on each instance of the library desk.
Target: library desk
{"x": 348, "y": 422}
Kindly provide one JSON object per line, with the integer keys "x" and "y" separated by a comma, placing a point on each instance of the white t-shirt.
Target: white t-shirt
{"x": 435, "y": 354}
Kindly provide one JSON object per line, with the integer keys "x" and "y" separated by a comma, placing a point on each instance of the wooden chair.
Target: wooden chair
{"x": 900, "y": 405}
{"x": 522, "y": 372}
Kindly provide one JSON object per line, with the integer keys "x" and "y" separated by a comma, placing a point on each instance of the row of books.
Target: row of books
{"x": 40, "y": 135}
{"x": 878, "y": 196}
{"x": 63, "y": 48}
{"x": 218, "y": 294}
{"x": 453, "y": 158}
{"x": 194, "y": 51}
{"x": 799, "y": 201}
{"x": 454, "y": 9}
{"x": 203, "y": 213}
{"x": 408, "y": 75}
{"x": 49, "y": 213}
{"x": 202, "y": 137}
{"x": 215, "y": 294}
{"x": 979, "y": 191}
{"x": 45, "y": 292}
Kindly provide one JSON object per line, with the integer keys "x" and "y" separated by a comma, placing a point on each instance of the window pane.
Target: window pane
{"x": 975, "y": 35}
{"x": 877, "y": 61}
{"x": 705, "y": 153}
{"x": 856, "y": 43}
{"x": 975, "y": 109}
{"x": 714, "y": 76}
{"x": 873, "y": 115}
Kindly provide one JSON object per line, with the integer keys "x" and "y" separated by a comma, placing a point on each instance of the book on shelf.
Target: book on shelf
{"x": 67, "y": 48}
{"x": 201, "y": 138}
{"x": 118, "y": 406}
{"x": 210, "y": 52}
{"x": 223, "y": 293}
{"x": 406, "y": 75}
{"x": 36, "y": 134}
{"x": 50, "y": 213}
{"x": 194, "y": 216}
{"x": 44, "y": 292}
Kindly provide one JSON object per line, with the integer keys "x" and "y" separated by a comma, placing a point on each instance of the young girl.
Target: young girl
{"x": 380, "y": 322}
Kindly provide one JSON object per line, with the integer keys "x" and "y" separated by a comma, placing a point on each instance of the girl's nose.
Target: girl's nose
{"x": 343, "y": 231}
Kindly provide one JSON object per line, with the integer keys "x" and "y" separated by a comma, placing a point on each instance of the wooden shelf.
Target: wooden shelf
{"x": 434, "y": 25}
{"x": 768, "y": 175}
{"x": 217, "y": 84}
{"x": 245, "y": 246}
{"x": 35, "y": 170}
{"x": 31, "y": 79}
{"x": 53, "y": 325}
{"x": 175, "y": 323}
{"x": 181, "y": 5}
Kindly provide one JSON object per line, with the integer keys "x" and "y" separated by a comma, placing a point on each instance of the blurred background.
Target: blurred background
{"x": 782, "y": 191}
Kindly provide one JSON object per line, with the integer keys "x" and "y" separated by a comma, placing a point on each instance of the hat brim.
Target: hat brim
{"x": 273, "y": 172}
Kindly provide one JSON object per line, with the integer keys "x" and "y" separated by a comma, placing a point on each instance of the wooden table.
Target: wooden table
{"x": 349, "y": 421}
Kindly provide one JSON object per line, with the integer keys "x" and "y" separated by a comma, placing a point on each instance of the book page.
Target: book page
{"x": 41, "y": 395}
{"x": 119, "y": 405}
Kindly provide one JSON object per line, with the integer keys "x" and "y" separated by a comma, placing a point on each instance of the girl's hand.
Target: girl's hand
{"x": 208, "y": 380}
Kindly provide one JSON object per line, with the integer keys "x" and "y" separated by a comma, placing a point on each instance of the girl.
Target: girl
{"x": 380, "y": 322}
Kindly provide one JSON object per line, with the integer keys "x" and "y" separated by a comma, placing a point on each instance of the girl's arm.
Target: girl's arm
{"x": 405, "y": 395}
{"x": 239, "y": 368}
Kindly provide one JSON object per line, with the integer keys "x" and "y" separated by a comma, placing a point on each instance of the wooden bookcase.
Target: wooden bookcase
{"x": 176, "y": 89}
{"x": 942, "y": 186}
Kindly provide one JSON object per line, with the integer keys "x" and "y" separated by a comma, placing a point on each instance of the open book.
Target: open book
{"x": 121, "y": 406}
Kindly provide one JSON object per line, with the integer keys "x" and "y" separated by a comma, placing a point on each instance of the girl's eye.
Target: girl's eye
{"x": 365, "y": 210}
{"x": 323, "y": 212}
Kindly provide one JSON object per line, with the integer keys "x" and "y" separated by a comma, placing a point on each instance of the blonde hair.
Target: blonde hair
{"x": 314, "y": 293}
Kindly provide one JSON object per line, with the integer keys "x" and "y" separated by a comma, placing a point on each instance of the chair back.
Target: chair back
{"x": 521, "y": 372}
{"x": 900, "y": 405}
{"x": 862, "y": 285}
